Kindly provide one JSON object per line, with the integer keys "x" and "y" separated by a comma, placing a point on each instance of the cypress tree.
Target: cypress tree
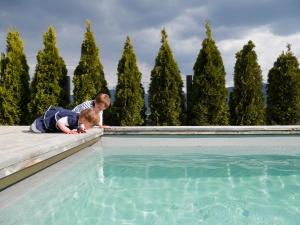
{"x": 129, "y": 106}
{"x": 283, "y": 90}
{"x": 166, "y": 98}
{"x": 209, "y": 94}
{"x": 65, "y": 85}
{"x": 246, "y": 100}
{"x": 2, "y": 60}
{"x": 48, "y": 84}
{"x": 89, "y": 75}
{"x": 7, "y": 109}
{"x": 15, "y": 93}
{"x": 7, "y": 106}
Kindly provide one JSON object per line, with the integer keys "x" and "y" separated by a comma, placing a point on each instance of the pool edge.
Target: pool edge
{"x": 206, "y": 130}
{"x": 13, "y": 178}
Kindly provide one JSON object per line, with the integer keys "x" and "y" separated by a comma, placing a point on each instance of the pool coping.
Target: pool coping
{"x": 207, "y": 130}
{"x": 23, "y": 153}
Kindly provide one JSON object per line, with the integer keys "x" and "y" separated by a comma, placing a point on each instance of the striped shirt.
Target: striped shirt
{"x": 88, "y": 105}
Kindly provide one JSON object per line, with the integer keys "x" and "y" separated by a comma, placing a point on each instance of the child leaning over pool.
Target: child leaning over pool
{"x": 100, "y": 103}
{"x": 58, "y": 119}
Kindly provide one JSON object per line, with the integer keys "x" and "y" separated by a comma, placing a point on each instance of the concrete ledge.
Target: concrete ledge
{"x": 23, "y": 153}
{"x": 204, "y": 130}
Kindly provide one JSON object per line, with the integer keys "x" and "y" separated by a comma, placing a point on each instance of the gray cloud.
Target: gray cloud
{"x": 113, "y": 20}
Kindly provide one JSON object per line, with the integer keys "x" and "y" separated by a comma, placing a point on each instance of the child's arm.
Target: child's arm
{"x": 65, "y": 129}
{"x": 103, "y": 126}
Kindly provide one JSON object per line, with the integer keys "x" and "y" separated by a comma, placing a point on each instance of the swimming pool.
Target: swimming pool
{"x": 165, "y": 180}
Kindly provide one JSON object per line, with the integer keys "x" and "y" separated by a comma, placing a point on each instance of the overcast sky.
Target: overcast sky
{"x": 270, "y": 24}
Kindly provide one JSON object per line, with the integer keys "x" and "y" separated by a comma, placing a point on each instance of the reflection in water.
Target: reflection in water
{"x": 100, "y": 165}
{"x": 165, "y": 186}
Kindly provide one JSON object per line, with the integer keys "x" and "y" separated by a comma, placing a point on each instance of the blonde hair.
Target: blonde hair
{"x": 91, "y": 116}
{"x": 103, "y": 98}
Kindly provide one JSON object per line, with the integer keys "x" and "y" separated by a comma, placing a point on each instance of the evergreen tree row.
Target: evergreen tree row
{"x": 207, "y": 103}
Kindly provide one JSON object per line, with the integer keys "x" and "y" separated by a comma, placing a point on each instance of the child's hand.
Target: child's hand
{"x": 71, "y": 132}
{"x": 65, "y": 129}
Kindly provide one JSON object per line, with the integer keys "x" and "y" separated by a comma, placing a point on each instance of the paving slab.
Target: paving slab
{"x": 295, "y": 129}
{"x": 21, "y": 149}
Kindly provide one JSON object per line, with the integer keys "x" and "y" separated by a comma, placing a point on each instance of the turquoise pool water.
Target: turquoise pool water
{"x": 162, "y": 185}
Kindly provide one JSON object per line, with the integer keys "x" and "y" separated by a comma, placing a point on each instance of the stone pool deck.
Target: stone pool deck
{"x": 23, "y": 153}
{"x": 230, "y": 130}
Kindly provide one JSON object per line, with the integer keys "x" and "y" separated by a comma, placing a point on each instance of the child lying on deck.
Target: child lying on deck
{"x": 99, "y": 104}
{"x": 57, "y": 119}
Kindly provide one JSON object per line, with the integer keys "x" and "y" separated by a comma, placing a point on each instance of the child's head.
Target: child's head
{"x": 102, "y": 102}
{"x": 89, "y": 118}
